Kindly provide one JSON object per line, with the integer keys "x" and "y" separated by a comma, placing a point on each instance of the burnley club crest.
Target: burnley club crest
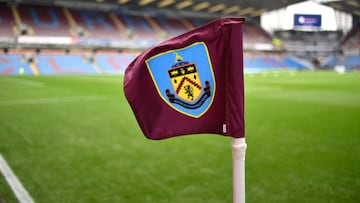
{"x": 184, "y": 78}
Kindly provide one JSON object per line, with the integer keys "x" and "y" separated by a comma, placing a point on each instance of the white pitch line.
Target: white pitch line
{"x": 16, "y": 186}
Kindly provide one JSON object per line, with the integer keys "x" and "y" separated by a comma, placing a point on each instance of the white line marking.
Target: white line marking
{"x": 16, "y": 186}
{"x": 25, "y": 82}
{"x": 53, "y": 100}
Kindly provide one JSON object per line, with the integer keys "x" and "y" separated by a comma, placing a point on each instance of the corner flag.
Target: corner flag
{"x": 190, "y": 84}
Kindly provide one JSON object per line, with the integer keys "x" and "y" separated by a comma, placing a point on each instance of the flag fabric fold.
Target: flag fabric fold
{"x": 190, "y": 84}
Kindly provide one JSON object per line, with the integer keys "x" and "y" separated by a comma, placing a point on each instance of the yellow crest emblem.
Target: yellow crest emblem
{"x": 185, "y": 80}
{"x": 178, "y": 81}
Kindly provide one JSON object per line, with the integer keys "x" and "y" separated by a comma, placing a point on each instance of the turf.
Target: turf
{"x": 75, "y": 139}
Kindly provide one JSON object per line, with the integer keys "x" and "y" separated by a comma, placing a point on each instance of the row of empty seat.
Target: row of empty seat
{"x": 349, "y": 62}
{"x": 272, "y": 62}
{"x": 57, "y": 21}
{"x": 50, "y": 64}
{"x": 43, "y": 64}
{"x": 31, "y": 20}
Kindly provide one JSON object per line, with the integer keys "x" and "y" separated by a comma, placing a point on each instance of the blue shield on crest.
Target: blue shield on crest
{"x": 184, "y": 78}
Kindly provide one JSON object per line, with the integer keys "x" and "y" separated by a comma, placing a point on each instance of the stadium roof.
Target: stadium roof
{"x": 251, "y": 8}
{"x": 348, "y": 6}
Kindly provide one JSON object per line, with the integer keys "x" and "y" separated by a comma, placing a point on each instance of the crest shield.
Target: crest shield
{"x": 186, "y": 81}
{"x": 184, "y": 78}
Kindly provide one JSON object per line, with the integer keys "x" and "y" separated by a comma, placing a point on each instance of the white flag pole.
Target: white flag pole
{"x": 238, "y": 154}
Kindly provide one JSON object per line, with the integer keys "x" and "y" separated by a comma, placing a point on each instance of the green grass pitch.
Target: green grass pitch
{"x": 75, "y": 139}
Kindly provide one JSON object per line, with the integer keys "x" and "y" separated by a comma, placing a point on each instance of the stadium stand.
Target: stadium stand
{"x": 350, "y": 46}
{"x": 15, "y": 64}
{"x": 174, "y": 26}
{"x": 254, "y": 34}
{"x": 352, "y": 39}
{"x": 309, "y": 44}
{"x": 347, "y": 54}
{"x": 136, "y": 27}
{"x": 94, "y": 24}
{"x": 113, "y": 63}
{"x": 273, "y": 61}
{"x": 42, "y": 20}
{"x": 6, "y": 21}
{"x": 64, "y": 64}
{"x": 54, "y": 27}
{"x": 61, "y": 63}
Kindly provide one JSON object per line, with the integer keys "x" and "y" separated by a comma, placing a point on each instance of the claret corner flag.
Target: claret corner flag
{"x": 190, "y": 84}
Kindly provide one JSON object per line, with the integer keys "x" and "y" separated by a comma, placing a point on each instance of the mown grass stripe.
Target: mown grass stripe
{"x": 22, "y": 81}
{"x": 51, "y": 100}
